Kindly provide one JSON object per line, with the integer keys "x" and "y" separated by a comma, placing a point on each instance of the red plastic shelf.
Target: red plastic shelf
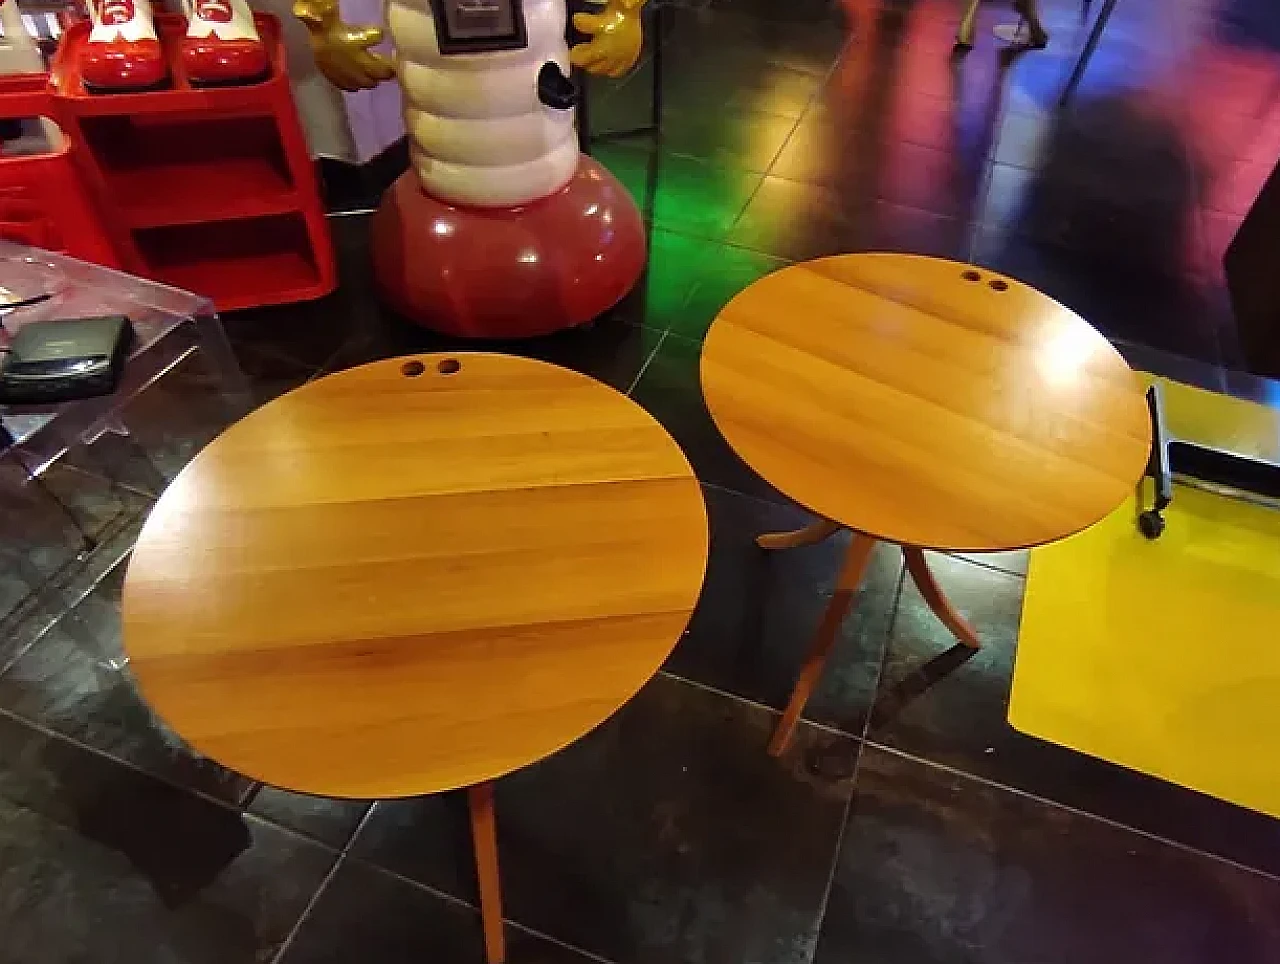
{"x": 240, "y": 264}
{"x": 169, "y": 170}
{"x": 43, "y": 201}
{"x": 209, "y": 189}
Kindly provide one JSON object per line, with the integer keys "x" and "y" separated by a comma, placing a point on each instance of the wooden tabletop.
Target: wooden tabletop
{"x": 926, "y": 402}
{"x": 407, "y": 578}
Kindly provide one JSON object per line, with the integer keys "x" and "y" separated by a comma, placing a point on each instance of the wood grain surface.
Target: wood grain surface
{"x": 401, "y": 579}
{"x": 926, "y": 402}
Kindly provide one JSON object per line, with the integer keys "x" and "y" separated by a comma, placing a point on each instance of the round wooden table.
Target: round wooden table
{"x": 415, "y": 576}
{"x": 926, "y": 403}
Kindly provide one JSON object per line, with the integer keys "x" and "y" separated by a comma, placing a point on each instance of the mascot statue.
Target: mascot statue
{"x": 500, "y": 228}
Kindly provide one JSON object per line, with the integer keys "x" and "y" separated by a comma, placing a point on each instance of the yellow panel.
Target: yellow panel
{"x": 1165, "y": 656}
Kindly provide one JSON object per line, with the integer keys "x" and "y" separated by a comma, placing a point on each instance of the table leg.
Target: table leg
{"x": 932, "y": 594}
{"x": 857, "y": 558}
{"x": 810, "y": 534}
{"x": 484, "y": 838}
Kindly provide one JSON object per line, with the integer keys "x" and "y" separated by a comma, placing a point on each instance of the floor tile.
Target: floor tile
{"x": 741, "y": 138}
{"x": 910, "y": 230}
{"x": 936, "y": 867}
{"x": 332, "y": 822}
{"x": 728, "y": 78}
{"x": 671, "y": 391}
{"x": 723, "y": 273}
{"x": 873, "y": 162}
{"x": 75, "y": 679}
{"x": 1137, "y": 303}
{"x": 946, "y": 704}
{"x": 1006, "y": 204}
{"x": 797, "y": 221}
{"x": 306, "y": 333}
{"x": 104, "y": 864}
{"x": 1117, "y": 181}
{"x": 54, "y": 597}
{"x": 364, "y": 914}
{"x": 160, "y": 430}
{"x": 46, "y": 524}
{"x": 899, "y": 49}
{"x": 1219, "y": 231}
{"x": 677, "y": 265}
{"x": 1234, "y": 189}
{"x": 766, "y": 33}
{"x": 185, "y": 410}
{"x": 666, "y": 834}
{"x": 1033, "y": 81}
{"x": 919, "y": 644}
{"x": 1013, "y": 561}
{"x": 1021, "y": 139}
{"x": 937, "y": 181}
{"x": 624, "y": 117}
{"x": 86, "y": 492}
{"x": 679, "y": 193}
{"x": 818, "y": 12}
{"x": 310, "y": 332}
{"x": 832, "y": 152}
{"x": 758, "y": 609}
{"x": 611, "y": 350}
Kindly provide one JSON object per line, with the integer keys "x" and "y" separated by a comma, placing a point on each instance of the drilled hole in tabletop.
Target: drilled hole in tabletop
{"x": 412, "y": 369}
{"x": 999, "y": 284}
{"x": 971, "y": 276}
{"x": 449, "y": 366}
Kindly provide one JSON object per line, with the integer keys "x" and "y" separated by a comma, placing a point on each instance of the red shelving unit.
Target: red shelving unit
{"x": 43, "y": 201}
{"x": 208, "y": 189}
{"x": 237, "y": 263}
{"x": 149, "y": 166}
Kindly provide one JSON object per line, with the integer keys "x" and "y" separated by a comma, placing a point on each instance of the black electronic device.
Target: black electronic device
{"x": 65, "y": 359}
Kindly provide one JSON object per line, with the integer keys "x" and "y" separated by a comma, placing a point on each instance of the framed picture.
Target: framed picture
{"x": 479, "y": 26}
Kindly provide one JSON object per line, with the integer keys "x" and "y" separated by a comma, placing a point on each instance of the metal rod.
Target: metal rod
{"x": 1095, "y": 36}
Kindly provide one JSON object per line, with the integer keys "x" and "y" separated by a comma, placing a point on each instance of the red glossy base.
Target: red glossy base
{"x": 509, "y": 272}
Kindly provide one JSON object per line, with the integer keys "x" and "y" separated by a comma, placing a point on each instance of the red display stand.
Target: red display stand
{"x": 208, "y": 189}
{"x": 43, "y": 201}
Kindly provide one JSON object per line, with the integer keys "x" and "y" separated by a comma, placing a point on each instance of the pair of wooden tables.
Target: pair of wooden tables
{"x": 424, "y": 573}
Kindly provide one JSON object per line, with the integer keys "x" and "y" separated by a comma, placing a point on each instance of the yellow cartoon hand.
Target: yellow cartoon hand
{"x": 616, "y": 35}
{"x": 342, "y": 51}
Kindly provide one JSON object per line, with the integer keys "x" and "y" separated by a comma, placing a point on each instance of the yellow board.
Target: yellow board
{"x": 1164, "y": 656}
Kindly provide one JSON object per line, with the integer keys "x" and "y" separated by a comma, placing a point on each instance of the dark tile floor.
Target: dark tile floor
{"x": 792, "y": 133}
{"x": 910, "y": 823}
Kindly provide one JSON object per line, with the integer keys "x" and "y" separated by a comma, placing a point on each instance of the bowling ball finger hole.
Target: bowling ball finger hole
{"x": 998, "y": 285}
{"x": 971, "y": 276}
{"x": 449, "y": 366}
{"x": 412, "y": 369}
